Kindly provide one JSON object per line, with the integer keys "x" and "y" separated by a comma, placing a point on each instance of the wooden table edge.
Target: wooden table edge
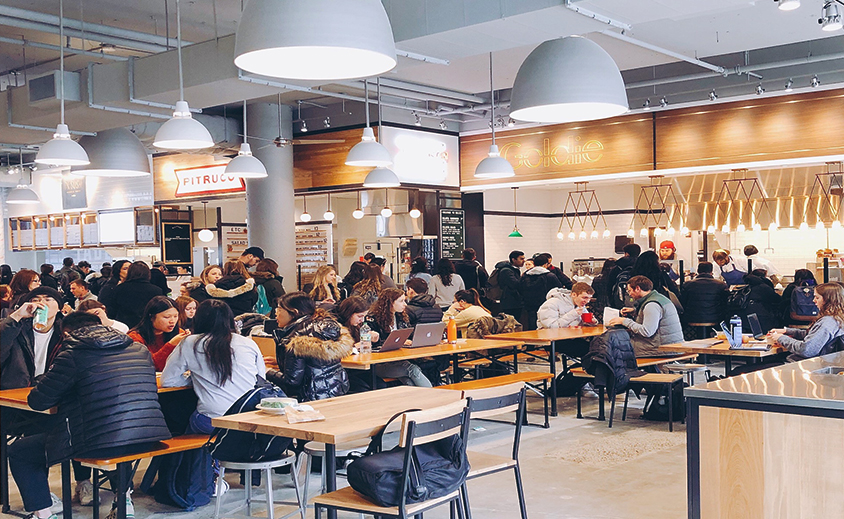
{"x": 351, "y": 362}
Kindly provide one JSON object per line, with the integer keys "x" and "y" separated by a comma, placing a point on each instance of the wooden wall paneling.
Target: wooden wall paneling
{"x": 621, "y": 144}
{"x": 805, "y": 125}
{"x": 323, "y": 165}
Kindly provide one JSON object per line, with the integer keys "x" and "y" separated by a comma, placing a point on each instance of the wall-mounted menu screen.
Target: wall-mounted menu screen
{"x": 177, "y": 242}
{"x": 117, "y": 227}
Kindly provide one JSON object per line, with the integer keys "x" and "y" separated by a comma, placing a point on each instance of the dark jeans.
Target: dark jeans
{"x": 28, "y": 463}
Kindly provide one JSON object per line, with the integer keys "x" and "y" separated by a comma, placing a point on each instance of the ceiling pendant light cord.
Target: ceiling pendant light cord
{"x": 245, "y": 133}
{"x": 378, "y": 86}
{"x": 366, "y": 100}
{"x": 491, "y": 101}
{"x": 61, "y": 56}
{"x": 179, "y": 50}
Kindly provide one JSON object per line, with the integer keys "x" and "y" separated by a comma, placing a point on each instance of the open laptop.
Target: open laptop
{"x": 429, "y": 334}
{"x": 395, "y": 340}
{"x": 739, "y": 345}
{"x": 755, "y": 327}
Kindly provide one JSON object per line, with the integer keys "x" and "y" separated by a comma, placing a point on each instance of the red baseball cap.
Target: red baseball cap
{"x": 667, "y": 244}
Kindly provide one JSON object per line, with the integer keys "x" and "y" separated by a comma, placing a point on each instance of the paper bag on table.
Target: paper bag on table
{"x": 610, "y": 313}
{"x": 303, "y": 414}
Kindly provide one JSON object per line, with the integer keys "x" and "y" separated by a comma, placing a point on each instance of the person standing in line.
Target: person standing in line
{"x": 47, "y": 277}
{"x": 534, "y": 286}
{"x": 445, "y": 284}
{"x": 386, "y": 280}
{"x": 565, "y": 281}
{"x": 470, "y": 269}
{"x": 368, "y": 257}
{"x": 236, "y": 288}
{"x": 728, "y": 269}
{"x": 251, "y": 256}
{"x": 266, "y": 275}
{"x": 509, "y": 273}
{"x": 158, "y": 277}
{"x": 132, "y": 296}
{"x": 419, "y": 269}
{"x": 119, "y": 271}
{"x": 624, "y": 263}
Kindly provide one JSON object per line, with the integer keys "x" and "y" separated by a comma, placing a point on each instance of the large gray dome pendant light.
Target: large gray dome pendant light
{"x": 22, "y": 194}
{"x": 565, "y": 80}
{"x": 494, "y": 166}
{"x": 182, "y": 132}
{"x": 381, "y": 176}
{"x": 114, "y": 153}
{"x": 315, "y": 39}
{"x": 61, "y": 150}
{"x": 368, "y": 152}
{"x": 245, "y": 165}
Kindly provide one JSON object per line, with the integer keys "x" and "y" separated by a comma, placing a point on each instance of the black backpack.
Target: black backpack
{"x": 242, "y": 446}
{"x": 619, "y": 298}
{"x": 802, "y": 301}
{"x": 657, "y": 409}
{"x": 493, "y": 290}
{"x": 438, "y": 469}
{"x": 738, "y": 298}
{"x": 185, "y": 479}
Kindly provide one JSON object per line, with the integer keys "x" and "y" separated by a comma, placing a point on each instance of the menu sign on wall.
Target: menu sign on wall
{"x": 452, "y": 233}
{"x": 235, "y": 241}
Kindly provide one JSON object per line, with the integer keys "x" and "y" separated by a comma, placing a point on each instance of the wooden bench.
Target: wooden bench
{"x": 126, "y": 466}
{"x": 527, "y": 377}
{"x": 660, "y": 380}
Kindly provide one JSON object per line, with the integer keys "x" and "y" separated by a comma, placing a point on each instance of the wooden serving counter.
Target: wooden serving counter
{"x": 768, "y": 444}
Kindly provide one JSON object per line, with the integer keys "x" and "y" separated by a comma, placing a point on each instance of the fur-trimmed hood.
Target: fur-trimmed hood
{"x": 226, "y": 288}
{"x": 324, "y": 351}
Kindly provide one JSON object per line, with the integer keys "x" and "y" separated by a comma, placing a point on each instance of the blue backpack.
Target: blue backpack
{"x": 802, "y": 301}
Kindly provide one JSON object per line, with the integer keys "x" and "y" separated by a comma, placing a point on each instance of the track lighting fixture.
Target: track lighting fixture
{"x": 443, "y": 125}
{"x": 787, "y": 5}
{"x": 789, "y": 85}
{"x": 815, "y": 81}
{"x": 663, "y": 102}
{"x": 511, "y": 123}
{"x": 647, "y": 104}
{"x": 327, "y": 121}
{"x": 304, "y": 127}
{"x": 418, "y": 120}
{"x": 760, "y": 89}
{"x": 712, "y": 95}
{"x": 830, "y": 20}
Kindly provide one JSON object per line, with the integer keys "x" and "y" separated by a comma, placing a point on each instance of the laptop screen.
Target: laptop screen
{"x": 755, "y": 327}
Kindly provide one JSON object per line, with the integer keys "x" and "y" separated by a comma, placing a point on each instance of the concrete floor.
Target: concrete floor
{"x": 652, "y": 485}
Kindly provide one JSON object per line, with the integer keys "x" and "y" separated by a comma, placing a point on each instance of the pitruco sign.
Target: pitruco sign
{"x": 207, "y": 180}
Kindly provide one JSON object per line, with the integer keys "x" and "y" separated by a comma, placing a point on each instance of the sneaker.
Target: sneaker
{"x": 130, "y": 509}
{"x": 588, "y": 391}
{"x": 225, "y": 489}
{"x": 84, "y": 493}
{"x": 56, "y": 507}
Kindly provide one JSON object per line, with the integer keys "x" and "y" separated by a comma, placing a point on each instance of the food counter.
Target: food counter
{"x": 768, "y": 444}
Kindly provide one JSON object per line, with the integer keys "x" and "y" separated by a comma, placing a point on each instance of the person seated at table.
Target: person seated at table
{"x": 187, "y": 311}
{"x": 103, "y": 384}
{"x": 325, "y": 286}
{"x": 370, "y": 286}
{"x": 422, "y": 308}
{"x": 223, "y": 365}
{"x": 762, "y": 300}
{"x": 563, "y": 308}
{"x": 386, "y": 315}
{"x": 158, "y": 329}
{"x": 96, "y": 308}
{"x": 309, "y": 346}
{"x": 655, "y": 320}
{"x": 351, "y": 313}
{"x": 704, "y": 298}
{"x": 826, "y": 335}
{"x": 466, "y": 309}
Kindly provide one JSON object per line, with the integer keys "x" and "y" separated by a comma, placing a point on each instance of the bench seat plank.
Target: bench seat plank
{"x": 182, "y": 443}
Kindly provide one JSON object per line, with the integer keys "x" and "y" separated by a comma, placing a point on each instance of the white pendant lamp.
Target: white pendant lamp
{"x": 381, "y": 176}
{"x": 328, "y": 215}
{"x": 245, "y": 165}
{"x": 568, "y": 79}
{"x": 368, "y": 152}
{"x": 61, "y": 150}
{"x": 386, "y": 212}
{"x": 494, "y": 166}
{"x": 182, "y": 132}
{"x": 315, "y": 40}
{"x": 305, "y": 216}
{"x": 114, "y": 153}
{"x": 358, "y": 213}
{"x": 205, "y": 235}
{"x": 22, "y": 194}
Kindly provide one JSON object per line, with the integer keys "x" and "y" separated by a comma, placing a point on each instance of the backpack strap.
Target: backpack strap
{"x": 375, "y": 443}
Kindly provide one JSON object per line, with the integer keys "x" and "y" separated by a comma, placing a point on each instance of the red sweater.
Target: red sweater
{"x": 160, "y": 350}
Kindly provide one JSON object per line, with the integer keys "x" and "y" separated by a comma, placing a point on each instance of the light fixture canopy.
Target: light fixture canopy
{"x": 568, "y": 79}
{"x": 315, "y": 40}
{"x": 114, "y": 153}
{"x": 381, "y": 177}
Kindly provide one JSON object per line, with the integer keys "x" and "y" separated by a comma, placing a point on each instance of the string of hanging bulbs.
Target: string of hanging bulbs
{"x": 386, "y": 211}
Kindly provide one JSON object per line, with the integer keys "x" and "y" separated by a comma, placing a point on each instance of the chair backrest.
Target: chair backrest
{"x": 428, "y": 425}
{"x": 493, "y": 401}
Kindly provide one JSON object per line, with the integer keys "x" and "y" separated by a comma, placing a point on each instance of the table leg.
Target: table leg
{"x": 123, "y": 487}
{"x": 67, "y": 492}
{"x": 455, "y": 360}
{"x": 374, "y": 378}
{"x": 4, "y": 470}
{"x": 728, "y": 366}
{"x": 552, "y": 359}
{"x": 331, "y": 474}
{"x": 516, "y": 360}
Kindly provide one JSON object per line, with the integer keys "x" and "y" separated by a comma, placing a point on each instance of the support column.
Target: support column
{"x": 269, "y": 201}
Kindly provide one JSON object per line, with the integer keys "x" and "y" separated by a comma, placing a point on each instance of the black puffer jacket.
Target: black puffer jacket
{"x": 235, "y": 291}
{"x": 310, "y": 349}
{"x": 704, "y": 300}
{"x": 104, "y": 386}
{"x": 129, "y": 300}
{"x": 611, "y": 360}
{"x": 422, "y": 309}
{"x": 763, "y": 301}
{"x": 508, "y": 281}
{"x": 17, "y": 351}
{"x": 273, "y": 286}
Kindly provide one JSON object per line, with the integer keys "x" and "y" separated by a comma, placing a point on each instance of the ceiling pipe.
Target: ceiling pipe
{"x": 44, "y": 27}
{"x": 421, "y": 57}
{"x": 597, "y": 17}
{"x": 662, "y": 50}
{"x": 92, "y": 31}
{"x": 358, "y": 85}
{"x": 56, "y": 48}
{"x": 425, "y": 89}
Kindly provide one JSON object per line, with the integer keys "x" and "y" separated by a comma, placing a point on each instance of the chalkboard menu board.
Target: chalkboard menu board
{"x": 177, "y": 243}
{"x": 452, "y": 233}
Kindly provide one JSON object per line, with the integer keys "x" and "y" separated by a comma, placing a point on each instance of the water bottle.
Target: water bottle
{"x": 735, "y": 326}
{"x": 365, "y": 339}
{"x": 451, "y": 330}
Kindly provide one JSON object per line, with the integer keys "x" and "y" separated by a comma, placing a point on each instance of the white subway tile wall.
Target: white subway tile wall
{"x": 788, "y": 249}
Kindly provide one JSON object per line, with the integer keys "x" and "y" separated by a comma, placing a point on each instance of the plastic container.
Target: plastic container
{"x": 735, "y": 327}
{"x": 451, "y": 330}
{"x": 365, "y": 339}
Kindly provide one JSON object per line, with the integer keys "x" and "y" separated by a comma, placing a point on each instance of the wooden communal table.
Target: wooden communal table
{"x": 723, "y": 349}
{"x": 548, "y": 338}
{"x": 347, "y": 418}
{"x": 370, "y": 360}
{"x": 17, "y": 399}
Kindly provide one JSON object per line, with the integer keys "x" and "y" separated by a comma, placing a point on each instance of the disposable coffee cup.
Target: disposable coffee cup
{"x": 587, "y": 317}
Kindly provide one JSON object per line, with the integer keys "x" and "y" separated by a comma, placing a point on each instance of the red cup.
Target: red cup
{"x": 587, "y": 317}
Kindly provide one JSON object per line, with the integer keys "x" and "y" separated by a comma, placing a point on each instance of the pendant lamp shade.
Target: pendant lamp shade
{"x": 206, "y": 235}
{"x": 182, "y": 132}
{"x": 22, "y": 195}
{"x": 381, "y": 177}
{"x": 61, "y": 150}
{"x": 114, "y": 153}
{"x": 494, "y": 166}
{"x": 315, "y": 40}
{"x": 245, "y": 165}
{"x": 369, "y": 152}
{"x": 568, "y": 79}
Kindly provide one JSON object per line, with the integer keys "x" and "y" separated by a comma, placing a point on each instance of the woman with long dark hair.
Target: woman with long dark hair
{"x": 158, "y": 329}
{"x": 466, "y": 309}
{"x": 387, "y": 315}
{"x": 445, "y": 283}
{"x": 825, "y": 335}
{"x": 419, "y": 269}
{"x": 119, "y": 271}
{"x": 357, "y": 271}
{"x": 647, "y": 264}
{"x": 132, "y": 295}
{"x": 23, "y": 282}
{"x": 310, "y": 345}
{"x": 369, "y": 287}
{"x": 223, "y": 365}
{"x": 187, "y": 311}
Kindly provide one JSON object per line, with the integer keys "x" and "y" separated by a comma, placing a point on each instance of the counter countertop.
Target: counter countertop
{"x": 792, "y": 384}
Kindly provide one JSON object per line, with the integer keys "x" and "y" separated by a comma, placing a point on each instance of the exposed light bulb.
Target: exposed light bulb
{"x": 304, "y": 128}
{"x": 386, "y": 212}
{"x": 606, "y": 233}
{"x": 819, "y": 226}
{"x": 305, "y": 217}
{"x": 804, "y": 226}
{"x": 593, "y": 234}
{"x": 644, "y": 232}
{"x": 836, "y": 224}
{"x": 671, "y": 231}
{"x": 328, "y": 215}
{"x": 631, "y": 233}
{"x": 773, "y": 226}
{"x": 658, "y": 231}
{"x": 560, "y": 235}
{"x": 757, "y": 227}
{"x": 710, "y": 229}
{"x": 725, "y": 228}
{"x": 741, "y": 228}
{"x": 572, "y": 235}
{"x": 357, "y": 214}
{"x": 415, "y": 213}
{"x": 582, "y": 235}
{"x": 684, "y": 230}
